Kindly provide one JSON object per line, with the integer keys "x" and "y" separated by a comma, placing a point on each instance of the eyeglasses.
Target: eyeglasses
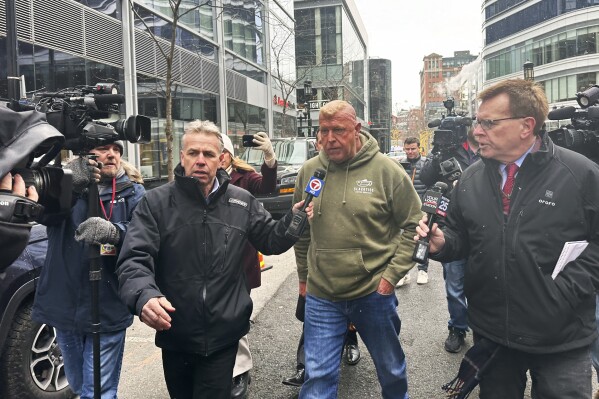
{"x": 487, "y": 124}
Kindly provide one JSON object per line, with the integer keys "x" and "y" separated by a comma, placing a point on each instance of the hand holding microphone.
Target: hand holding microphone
{"x": 313, "y": 188}
{"x": 434, "y": 204}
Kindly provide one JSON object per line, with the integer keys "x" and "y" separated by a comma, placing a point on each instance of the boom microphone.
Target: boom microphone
{"x": 434, "y": 123}
{"x": 313, "y": 188}
{"x": 433, "y": 204}
{"x": 561, "y": 113}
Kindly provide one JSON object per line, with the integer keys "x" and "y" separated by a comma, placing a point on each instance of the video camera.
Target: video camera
{"x": 86, "y": 117}
{"x": 582, "y": 134}
{"x": 452, "y": 132}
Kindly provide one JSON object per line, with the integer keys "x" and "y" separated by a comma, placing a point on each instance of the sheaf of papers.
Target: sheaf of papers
{"x": 571, "y": 251}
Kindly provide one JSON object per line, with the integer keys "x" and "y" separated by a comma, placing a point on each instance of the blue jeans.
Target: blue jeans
{"x": 453, "y": 273}
{"x": 77, "y": 351}
{"x": 595, "y": 345}
{"x": 325, "y": 325}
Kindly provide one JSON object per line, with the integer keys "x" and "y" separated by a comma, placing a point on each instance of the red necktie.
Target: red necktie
{"x": 511, "y": 170}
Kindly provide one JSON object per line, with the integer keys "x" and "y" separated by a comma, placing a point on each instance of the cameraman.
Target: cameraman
{"x": 14, "y": 237}
{"x": 63, "y": 296}
{"x": 453, "y": 272}
{"x": 413, "y": 166}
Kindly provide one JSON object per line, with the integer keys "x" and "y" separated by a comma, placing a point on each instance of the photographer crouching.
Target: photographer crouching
{"x": 453, "y": 151}
{"x": 63, "y": 297}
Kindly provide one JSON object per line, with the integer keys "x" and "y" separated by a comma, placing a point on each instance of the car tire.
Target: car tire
{"x": 31, "y": 365}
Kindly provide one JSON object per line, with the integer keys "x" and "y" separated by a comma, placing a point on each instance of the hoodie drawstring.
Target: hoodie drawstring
{"x": 346, "y": 177}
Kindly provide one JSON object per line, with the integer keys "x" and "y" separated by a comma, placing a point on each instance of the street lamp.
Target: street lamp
{"x": 529, "y": 71}
{"x": 308, "y": 97}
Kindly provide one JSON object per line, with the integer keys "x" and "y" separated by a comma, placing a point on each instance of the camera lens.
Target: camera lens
{"x": 36, "y": 178}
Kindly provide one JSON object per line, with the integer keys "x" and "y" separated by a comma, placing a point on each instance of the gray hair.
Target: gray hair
{"x": 204, "y": 127}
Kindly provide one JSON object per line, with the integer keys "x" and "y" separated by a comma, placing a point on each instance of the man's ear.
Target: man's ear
{"x": 358, "y": 128}
{"x": 528, "y": 124}
{"x": 222, "y": 156}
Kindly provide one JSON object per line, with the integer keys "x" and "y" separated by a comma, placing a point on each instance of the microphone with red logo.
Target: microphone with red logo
{"x": 313, "y": 188}
{"x": 435, "y": 204}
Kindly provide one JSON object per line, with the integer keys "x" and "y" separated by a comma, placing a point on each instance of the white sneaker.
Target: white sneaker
{"x": 422, "y": 277}
{"x": 405, "y": 280}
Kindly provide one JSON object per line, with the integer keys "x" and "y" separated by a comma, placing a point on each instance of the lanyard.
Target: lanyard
{"x": 111, "y": 201}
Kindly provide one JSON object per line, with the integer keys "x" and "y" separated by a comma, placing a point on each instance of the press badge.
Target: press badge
{"x": 107, "y": 250}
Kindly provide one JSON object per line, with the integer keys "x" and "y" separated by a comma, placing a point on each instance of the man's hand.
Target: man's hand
{"x": 302, "y": 288}
{"x": 96, "y": 230}
{"x": 17, "y": 187}
{"x": 85, "y": 171}
{"x": 265, "y": 145}
{"x": 436, "y": 238}
{"x": 155, "y": 313}
{"x": 385, "y": 287}
{"x": 309, "y": 209}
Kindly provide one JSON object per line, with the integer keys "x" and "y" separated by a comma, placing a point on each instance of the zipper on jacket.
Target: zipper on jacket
{"x": 227, "y": 230}
{"x": 204, "y": 315}
{"x": 204, "y": 293}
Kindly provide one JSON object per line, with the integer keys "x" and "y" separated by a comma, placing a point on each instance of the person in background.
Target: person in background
{"x": 413, "y": 166}
{"x": 63, "y": 295}
{"x": 352, "y": 254}
{"x": 180, "y": 267}
{"x": 453, "y": 272}
{"x": 511, "y": 215}
{"x": 265, "y": 182}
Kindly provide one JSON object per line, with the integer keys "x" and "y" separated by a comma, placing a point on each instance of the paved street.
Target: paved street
{"x": 274, "y": 335}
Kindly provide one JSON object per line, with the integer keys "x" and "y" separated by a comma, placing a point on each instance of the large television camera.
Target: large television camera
{"x": 86, "y": 117}
{"x": 582, "y": 134}
{"x": 452, "y": 132}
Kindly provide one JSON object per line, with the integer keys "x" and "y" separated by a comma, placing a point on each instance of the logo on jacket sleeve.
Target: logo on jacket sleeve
{"x": 238, "y": 202}
{"x": 363, "y": 186}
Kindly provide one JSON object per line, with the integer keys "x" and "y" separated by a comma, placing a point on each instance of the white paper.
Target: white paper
{"x": 571, "y": 251}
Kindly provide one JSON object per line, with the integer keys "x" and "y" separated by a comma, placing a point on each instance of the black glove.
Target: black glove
{"x": 83, "y": 173}
{"x": 96, "y": 230}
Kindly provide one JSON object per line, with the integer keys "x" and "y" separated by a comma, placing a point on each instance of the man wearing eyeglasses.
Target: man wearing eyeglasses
{"x": 511, "y": 214}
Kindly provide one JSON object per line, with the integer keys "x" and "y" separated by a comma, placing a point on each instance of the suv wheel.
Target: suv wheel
{"x": 31, "y": 365}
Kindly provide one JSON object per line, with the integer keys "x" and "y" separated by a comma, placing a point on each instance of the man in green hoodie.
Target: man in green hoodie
{"x": 358, "y": 246}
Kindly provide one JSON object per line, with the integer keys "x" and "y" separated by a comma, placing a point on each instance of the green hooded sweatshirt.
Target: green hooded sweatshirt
{"x": 364, "y": 224}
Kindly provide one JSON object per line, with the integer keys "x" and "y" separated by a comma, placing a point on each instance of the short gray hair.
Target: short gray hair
{"x": 204, "y": 127}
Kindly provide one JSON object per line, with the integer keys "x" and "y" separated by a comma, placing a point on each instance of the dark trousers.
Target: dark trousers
{"x": 554, "y": 376}
{"x": 193, "y": 376}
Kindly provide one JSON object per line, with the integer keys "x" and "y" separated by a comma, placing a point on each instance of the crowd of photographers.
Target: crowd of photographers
{"x": 509, "y": 216}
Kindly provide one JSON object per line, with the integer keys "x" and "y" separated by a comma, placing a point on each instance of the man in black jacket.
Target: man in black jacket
{"x": 413, "y": 166}
{"x": 511, "y": 214}
{"x": 180, "y": 268}
{"x": 453, "y": 272}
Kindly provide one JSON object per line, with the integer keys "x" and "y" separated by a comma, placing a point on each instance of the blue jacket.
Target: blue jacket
{"x": 63, "y": 297}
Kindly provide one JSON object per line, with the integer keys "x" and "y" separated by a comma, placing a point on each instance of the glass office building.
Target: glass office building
{"x": 221, "y": 64}
{"x": 331, "y": 51}
{"x": 558, "y": 36}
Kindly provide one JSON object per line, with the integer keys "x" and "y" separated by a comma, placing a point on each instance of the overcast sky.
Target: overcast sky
{"x": 405, "y": 31}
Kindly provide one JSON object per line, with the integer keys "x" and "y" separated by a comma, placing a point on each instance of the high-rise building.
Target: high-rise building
{"x": 558, "y": 37}
{"x": 222, "y": 63}
{"x": 435, "y": 77}
{"x": 379, "y": 105}
{"x": 331, "y": 52}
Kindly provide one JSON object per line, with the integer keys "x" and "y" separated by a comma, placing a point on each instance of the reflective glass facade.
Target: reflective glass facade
{"x": 244, "y": 29}
{"x": 560, "y": 46}
{"x": 329, "y": 51}
{"x": 525, "y": 18}
{"x": 565, "y": 88}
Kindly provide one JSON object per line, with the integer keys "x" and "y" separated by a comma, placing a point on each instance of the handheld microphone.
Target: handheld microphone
{"x": 313, "y": 188}
{"x": 434, "y": 203}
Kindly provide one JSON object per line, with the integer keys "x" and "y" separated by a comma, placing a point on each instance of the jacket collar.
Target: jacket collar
{"x": 539, "y": 157}
{"x": 192, "y": 187}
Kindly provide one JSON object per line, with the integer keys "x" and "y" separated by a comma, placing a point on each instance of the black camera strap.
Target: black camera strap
{"x": 17, "y": 209}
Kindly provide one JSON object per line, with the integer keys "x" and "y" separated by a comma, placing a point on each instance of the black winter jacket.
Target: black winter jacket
{"x": 191, "y": 252}
{"x": 413, "y": 171}
{"x": 512, "y": 299}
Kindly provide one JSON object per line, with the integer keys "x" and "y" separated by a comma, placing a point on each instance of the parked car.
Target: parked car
{"x": 31, "y": 363}
{"x": 291, "y": 154}
{"x": 399, "y": 156}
